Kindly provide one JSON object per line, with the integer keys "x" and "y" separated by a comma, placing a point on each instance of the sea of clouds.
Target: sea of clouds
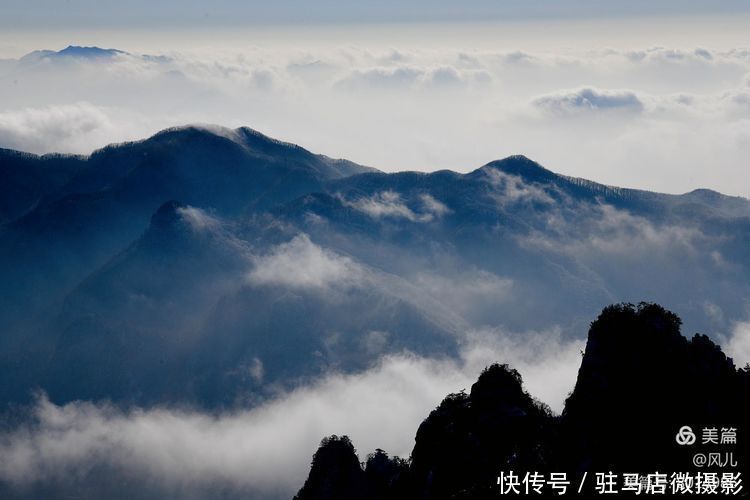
{"x": 265, "y": 451}
{"x": 665, "y": 118}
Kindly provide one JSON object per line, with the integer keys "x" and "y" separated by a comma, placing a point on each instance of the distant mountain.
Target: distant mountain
{"x": 639, "y": 383}
{"x": 225, "y": 263}
{"x": 71, "y": 52}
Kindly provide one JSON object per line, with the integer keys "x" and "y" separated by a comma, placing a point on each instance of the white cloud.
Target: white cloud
{"x": 383, "y": 204}
{"x": 55, "y": 128}
{"x": 589, "y": 99}
{"x": 433, "y": 206}
{"x": 382, "y": 78}
{"x": 547, "y": 362}
{"x": 603, "y": 230}
{"x": 422, "y": 75}
{"x": 199, "y": 219}
{"x": 738, "y": 343}
{"x": 423, "y": 103}
{"x": 737, "y": 103}
{"x": 517, "y": 57}
{"x": 662, "y": 54}
{"x": 445, "y": 76}
{"x": 510, "y": 189}
{"x": 618, "y": 232}
{"x": 267, "y": 450}
{"x": 300, "y": 263}
{"x": 389, "y": 204}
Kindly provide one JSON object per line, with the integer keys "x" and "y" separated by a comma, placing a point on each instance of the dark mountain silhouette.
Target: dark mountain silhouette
{"x": 335, "y": 473}
{"x": 640, "y": 351}
{"x": 640, "y": 381}
{"x": 383, "y": 473}
{"x": 467, "y": 437}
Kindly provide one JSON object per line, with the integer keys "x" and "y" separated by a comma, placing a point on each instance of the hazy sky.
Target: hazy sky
{"x": 645, "y": 94}
{"x": 139, "y": 13}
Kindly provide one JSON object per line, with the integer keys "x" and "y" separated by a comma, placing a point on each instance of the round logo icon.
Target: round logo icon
{"x": 685, "y": 436}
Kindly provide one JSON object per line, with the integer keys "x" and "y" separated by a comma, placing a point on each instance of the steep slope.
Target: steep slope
{"x": 125, "y": 332}
{"x": 190, "y": 312}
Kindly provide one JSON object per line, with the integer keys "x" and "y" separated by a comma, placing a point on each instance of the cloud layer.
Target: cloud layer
{"x": 664, "y": 118}
{"x": 66, "y": 128}
{"x": 266, "y": 450}
{"x": 589, "y": 99}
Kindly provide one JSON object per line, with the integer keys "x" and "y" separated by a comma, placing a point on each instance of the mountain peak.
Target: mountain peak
{"x": 208, "y": 128}
{"x": 335, "y": 472}
{"x": 244, "y": 137}
{"x": 167, "y": 214}
{"x": 72, "y": 52}
{"x": 709, "y": 195}
{"x": 640, "y": 350}
{"x": 498, "y": 385}
{"x": 521, "y": 166}
{"x": 520, "y": 160}
{"x": 88, "y": 52}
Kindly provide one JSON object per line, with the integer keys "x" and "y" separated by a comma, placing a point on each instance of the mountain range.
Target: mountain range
{"x": 212, "y": 266}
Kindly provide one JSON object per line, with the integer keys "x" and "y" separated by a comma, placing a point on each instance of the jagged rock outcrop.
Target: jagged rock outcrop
{"x": 383, "y": 474}
{"x": 639, "y": 382}
{"x": 335, "y": 473}
{"x": 464, "y": 442}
